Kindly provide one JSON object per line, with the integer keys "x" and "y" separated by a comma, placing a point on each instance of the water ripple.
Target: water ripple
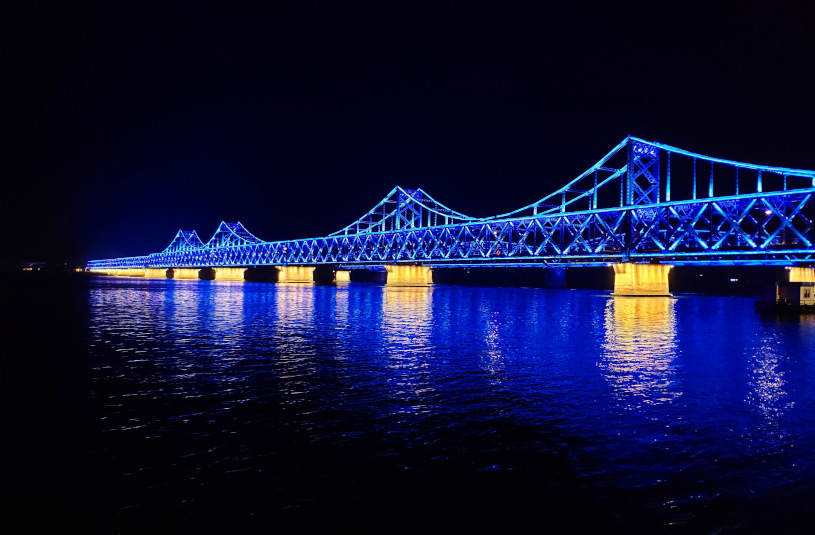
{"x": 673, "y": 403}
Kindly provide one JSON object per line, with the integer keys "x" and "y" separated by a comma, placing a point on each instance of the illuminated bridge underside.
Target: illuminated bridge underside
{"x": 623, "y": 209}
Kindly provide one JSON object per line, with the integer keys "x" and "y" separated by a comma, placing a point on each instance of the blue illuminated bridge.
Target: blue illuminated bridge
{"x": 643, "y": 207}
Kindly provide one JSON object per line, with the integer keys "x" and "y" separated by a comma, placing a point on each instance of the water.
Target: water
{"x": 144, "y": 406}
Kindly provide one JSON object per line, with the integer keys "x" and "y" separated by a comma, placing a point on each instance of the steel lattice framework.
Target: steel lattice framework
{"x": 643, "y": 201}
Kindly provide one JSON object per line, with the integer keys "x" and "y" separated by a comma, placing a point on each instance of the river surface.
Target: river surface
{"x": 162, "y": 406}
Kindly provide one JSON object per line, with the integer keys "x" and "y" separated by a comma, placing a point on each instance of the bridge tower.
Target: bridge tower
{"x": 642, "y": 176}
{"x": 642, "y": 187}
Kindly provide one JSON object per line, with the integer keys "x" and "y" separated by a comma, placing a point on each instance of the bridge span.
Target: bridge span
{"x": 642, "y": 208}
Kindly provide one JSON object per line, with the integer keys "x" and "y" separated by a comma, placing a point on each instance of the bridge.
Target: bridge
{"x": 642, "y": 208}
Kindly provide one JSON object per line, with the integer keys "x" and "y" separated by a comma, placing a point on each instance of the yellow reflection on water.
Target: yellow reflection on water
{"x": 407, "y": 322}
{"x": 295, "y": 306}
{"x": 294, "y": 343}
{"x": 407, "y": 315}
{"x": 226, "y": 310}
{"x": 181, "y": 310}
{"x": 640, "y": 348}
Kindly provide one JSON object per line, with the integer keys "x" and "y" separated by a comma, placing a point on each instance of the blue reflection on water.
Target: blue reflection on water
{"x": 662, "y": 406}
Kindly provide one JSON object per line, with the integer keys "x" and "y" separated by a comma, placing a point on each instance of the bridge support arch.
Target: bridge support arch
{"x": 641, "y": 279}
{"x": 183, "y": 273}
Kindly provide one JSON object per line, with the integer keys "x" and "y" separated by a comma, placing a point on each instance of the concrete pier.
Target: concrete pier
{"x": 156, "y": 273}
{"x": 295, "y": 274}
{"x": 184, "y": 273}
{"x": 230, "y": 273}
{"x": 802, "y": 274}
{"x": 554, "y": 277}
{"x": 123, "y": 272}
{"x": 135, "y": 272}
{"x": 400, "y": 275}
{"x": 641, "y": 279}
{"x": 324, "y": 274}
{"x": 342, "y": 276}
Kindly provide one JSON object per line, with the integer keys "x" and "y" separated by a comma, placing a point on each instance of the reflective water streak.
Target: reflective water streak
{"x": 674, "y": 411}
{"x": 640, "y": 349}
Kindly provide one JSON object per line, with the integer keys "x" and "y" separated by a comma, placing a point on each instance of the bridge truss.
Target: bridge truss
{"x": 642, "y": 202}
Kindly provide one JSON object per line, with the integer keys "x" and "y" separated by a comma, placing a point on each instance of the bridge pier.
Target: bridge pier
{"x": 641, "y": 279}
{"x": 400, "y": 275}
{"x": 129, "y": 272}
{"x": 206, "y": 274}
{"x": 554, "y": 277}
{"x": 156, "y": 273}
{"x": 802, "y": 274}
{"x": 342, "y": 275}
{"x": 183, "y": 273}
{"x": 295, "y": 274}
{"x": 324, "y": 274}
{"x": 230, "y": 273}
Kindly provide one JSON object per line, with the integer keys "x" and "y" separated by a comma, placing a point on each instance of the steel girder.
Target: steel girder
{"x": 761, "y": 223}
{"x": 768, "y": 228}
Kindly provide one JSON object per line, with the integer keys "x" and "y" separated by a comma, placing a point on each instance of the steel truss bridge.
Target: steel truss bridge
{"x": 643, "y": 202}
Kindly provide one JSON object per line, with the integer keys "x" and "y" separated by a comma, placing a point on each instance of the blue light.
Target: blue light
{"x": 410, "y": 226}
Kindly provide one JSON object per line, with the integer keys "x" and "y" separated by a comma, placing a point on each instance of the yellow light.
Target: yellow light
{"x": 641, "y": 279}
{"x": 295, "y": 274}
{"x": 399, "y": 275}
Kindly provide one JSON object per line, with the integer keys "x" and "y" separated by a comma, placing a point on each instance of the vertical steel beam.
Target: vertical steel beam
{"x": 594, "y": 193}
{"x": 694, "y": 179}
{"x": 629, "y": 173}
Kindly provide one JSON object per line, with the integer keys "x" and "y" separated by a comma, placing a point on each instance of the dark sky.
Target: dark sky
{"x": 124, "y": 121}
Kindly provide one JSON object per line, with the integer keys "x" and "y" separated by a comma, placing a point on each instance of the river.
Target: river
{"x": 151, "y": 406}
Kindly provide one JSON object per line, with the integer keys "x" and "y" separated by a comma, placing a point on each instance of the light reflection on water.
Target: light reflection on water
{"x": 640, "y": 350}
{"x": 691, "y": 398}
{"x": 406, "y": 325}
{"x": 766, "y": 393}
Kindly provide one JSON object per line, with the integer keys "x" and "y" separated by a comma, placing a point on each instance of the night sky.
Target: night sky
{"x": 125, "y": 121}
